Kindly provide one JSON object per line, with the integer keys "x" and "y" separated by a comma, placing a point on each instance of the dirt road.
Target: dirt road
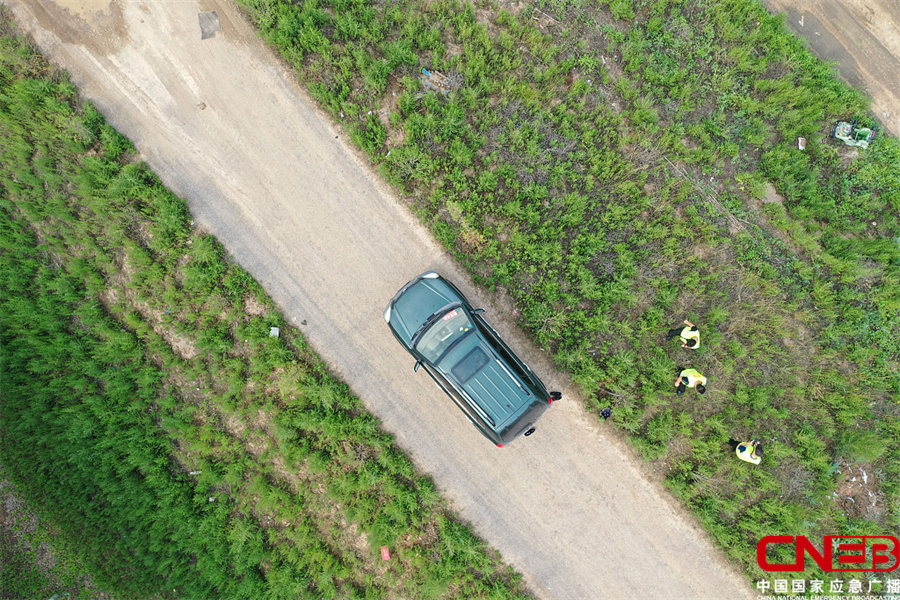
{"x": 862, "y": 37}
{"x": 225, "y": 126}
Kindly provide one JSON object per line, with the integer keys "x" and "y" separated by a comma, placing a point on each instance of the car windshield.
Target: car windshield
{"x": 442, "y": 334}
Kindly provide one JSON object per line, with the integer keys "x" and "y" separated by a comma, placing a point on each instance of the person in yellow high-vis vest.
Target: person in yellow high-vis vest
{"x": 750, "y": 451}
{"x": 690, "y": 378}
{"x": 689, "y": 335}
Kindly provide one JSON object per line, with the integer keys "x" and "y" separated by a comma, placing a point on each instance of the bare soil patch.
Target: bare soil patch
{"x": 858, "y": 493}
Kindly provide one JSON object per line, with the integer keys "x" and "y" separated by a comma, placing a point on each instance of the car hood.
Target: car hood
{"x": 416, "y": 302}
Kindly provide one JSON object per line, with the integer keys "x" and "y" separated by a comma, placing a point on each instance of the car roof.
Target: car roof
{"x": 493, "y": 387}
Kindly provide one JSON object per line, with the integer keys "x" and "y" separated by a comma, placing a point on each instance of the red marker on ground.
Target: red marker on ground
{"x": 385, "y": 553}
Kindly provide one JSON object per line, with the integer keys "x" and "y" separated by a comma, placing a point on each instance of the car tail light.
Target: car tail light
{"x": 550, "y": 400}
{"x": 499, "y": 445}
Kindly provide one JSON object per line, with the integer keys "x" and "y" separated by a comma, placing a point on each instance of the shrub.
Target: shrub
{"x": 861, "y": 445}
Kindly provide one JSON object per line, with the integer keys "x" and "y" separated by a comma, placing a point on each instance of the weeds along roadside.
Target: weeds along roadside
{"x": 617, "y": 166}
{"x": 145, "y": 401}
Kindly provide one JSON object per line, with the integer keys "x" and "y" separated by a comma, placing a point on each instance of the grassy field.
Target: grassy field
{"x": 34, "y": 561}
{"x": 618, "y": 166}
{"x": 151, "y": 418}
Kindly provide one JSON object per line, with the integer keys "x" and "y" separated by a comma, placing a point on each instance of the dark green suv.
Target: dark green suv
{"x": 496, "y": 390}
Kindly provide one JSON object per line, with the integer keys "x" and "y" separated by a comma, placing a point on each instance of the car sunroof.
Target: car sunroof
{"x": 470, "y": 364}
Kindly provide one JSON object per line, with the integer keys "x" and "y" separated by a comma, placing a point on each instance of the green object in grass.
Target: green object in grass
{"x": 852, "y": 135}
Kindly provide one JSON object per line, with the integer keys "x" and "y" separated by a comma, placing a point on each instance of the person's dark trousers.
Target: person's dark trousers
{"x": 673, "y": 333}
{"x": 681, "y": 386}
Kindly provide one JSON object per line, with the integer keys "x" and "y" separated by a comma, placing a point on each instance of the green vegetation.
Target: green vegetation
{"x": 145, "y": 401}
{"x": 33, "y": 564}
{"x": 619, "y": 165}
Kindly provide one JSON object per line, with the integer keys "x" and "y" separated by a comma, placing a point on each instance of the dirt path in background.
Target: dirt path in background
{"x": 226, "y": 127}
{"x": 862, "y": 37}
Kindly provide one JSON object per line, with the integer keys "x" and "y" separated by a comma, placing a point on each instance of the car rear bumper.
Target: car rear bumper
{"x": 525, "y": 422}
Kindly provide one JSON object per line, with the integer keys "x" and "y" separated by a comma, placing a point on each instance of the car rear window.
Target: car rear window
{"x": 470, "y": 364}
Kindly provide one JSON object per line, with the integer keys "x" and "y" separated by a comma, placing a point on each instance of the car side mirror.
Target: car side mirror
{"x": 477, "y": 311}
{"x": 418, "y": 364}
